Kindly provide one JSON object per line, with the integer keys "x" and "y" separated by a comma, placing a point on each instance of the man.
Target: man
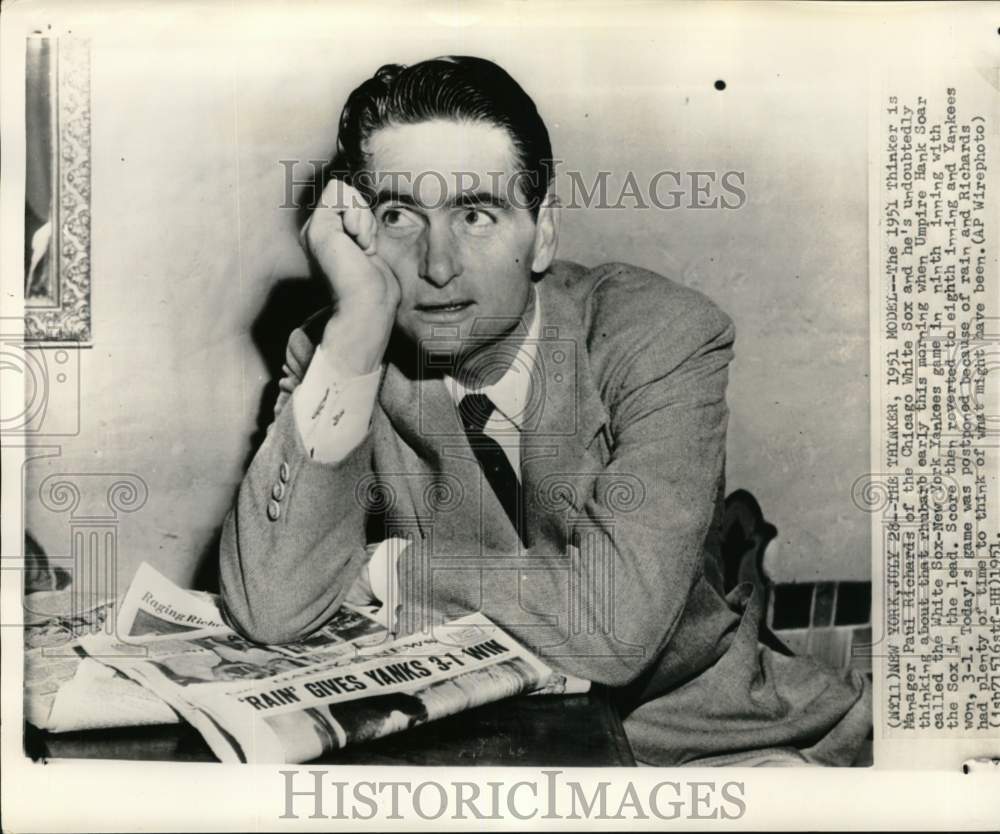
{"x": 550, "y": 438}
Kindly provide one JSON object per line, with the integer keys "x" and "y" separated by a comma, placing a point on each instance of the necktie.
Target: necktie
{"x": 475, "y": 411}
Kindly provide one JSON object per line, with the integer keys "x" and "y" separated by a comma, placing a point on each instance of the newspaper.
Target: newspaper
{"x": 347, "y": 683}
{"x": 64, "y": 689}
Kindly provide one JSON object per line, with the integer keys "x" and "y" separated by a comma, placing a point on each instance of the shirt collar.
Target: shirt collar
{"x": 510, "y": 393}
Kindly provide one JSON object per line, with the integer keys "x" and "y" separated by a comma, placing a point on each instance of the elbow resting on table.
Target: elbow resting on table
{"x": 607, "y": 660}
{"x": 263, "y": 631}
{"x": 610, "y": 671}
{"x": 262, "y": 609}
{"x": 268, "y": 624}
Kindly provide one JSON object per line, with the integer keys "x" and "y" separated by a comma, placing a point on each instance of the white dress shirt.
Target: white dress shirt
{"x": 333, "y": 409}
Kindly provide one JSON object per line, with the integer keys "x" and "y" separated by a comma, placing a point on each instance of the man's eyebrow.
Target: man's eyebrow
{"x": 479, "y": 198}
{"x": 387, "y": 195}
{"x": 464, "y": 200}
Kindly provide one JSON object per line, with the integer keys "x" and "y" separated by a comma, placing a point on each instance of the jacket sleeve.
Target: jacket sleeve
{"x": 293, "y": 543}
{"x": 632, "y": 573}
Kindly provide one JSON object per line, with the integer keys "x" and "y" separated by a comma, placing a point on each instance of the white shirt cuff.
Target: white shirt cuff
{"x": 333, "y": 409}
{"x": 383, "y": 578}
{"x": 377, "y": 586}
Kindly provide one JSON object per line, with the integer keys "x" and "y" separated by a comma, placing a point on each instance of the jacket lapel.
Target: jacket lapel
{"x": 559, "y": 457}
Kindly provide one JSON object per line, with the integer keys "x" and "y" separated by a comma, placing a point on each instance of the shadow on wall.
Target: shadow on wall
{"x": 290, "y": 302}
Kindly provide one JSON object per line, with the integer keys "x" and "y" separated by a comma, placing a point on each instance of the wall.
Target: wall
{"x": 190, "y": 245}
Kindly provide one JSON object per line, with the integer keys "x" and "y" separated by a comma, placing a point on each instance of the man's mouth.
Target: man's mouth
{"x": 445, "y": 310}
{"x": 448, "y": 307}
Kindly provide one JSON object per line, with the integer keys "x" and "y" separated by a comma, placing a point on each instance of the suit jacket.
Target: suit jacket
{"x": 622, "y": 462}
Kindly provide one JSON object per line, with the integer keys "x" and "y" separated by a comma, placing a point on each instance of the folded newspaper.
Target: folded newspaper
{"x": 65, "y": 690}
{"x": 170, "y": 654}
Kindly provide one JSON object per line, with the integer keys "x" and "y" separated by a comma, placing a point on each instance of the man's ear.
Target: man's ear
{"x": 546, "y": 233}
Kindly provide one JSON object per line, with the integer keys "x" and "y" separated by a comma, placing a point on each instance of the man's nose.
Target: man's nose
{"x": 440, "y": 262}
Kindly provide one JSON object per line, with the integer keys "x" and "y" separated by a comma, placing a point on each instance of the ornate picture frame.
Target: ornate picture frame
{"x": 57, "y": 281}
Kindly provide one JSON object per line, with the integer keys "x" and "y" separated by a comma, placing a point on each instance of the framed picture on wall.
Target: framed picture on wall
{"x": 57, "y": 190}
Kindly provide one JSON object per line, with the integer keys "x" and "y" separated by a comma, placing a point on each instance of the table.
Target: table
{"x": 536, "y": 731}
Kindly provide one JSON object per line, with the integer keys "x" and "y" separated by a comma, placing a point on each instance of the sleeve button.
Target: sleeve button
{"x": 273, "y": 510}
{"x": 278, "y": 491}
{"x": 284, "y": 472}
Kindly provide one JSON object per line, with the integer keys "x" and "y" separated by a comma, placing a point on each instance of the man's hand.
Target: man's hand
{"x": 340, "y": 238}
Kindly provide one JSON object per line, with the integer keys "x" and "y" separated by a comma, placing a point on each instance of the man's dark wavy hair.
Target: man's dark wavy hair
{"x": 456, "y": 88}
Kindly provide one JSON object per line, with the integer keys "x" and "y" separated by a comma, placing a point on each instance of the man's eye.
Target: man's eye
{"x": 477, "y": 218}
{"x": 396, "y": 219}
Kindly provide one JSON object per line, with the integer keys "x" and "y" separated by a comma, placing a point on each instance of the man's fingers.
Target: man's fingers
{"x": 324, "y": 223}
{"x": 340, "y": 196}
{"x": 303, "y": 232}
{"x": 352, "y": 223}
{"x": 344, "y": 205}
{"x": 359, "y": 223}
{"x": 366, "y": 239}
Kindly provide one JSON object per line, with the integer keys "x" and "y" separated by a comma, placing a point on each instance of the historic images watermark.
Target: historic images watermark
{"x": 664, "y": 189}
{"x": 314, "y": 794}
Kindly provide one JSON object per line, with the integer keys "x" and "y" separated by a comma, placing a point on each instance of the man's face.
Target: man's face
{"x": 454, "y": 230}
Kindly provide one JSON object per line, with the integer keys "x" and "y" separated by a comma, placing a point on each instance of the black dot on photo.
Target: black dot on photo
{"x": 720, "y": 85}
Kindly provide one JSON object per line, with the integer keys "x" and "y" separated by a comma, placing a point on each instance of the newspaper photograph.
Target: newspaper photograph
{"x": 549, "y": 415}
